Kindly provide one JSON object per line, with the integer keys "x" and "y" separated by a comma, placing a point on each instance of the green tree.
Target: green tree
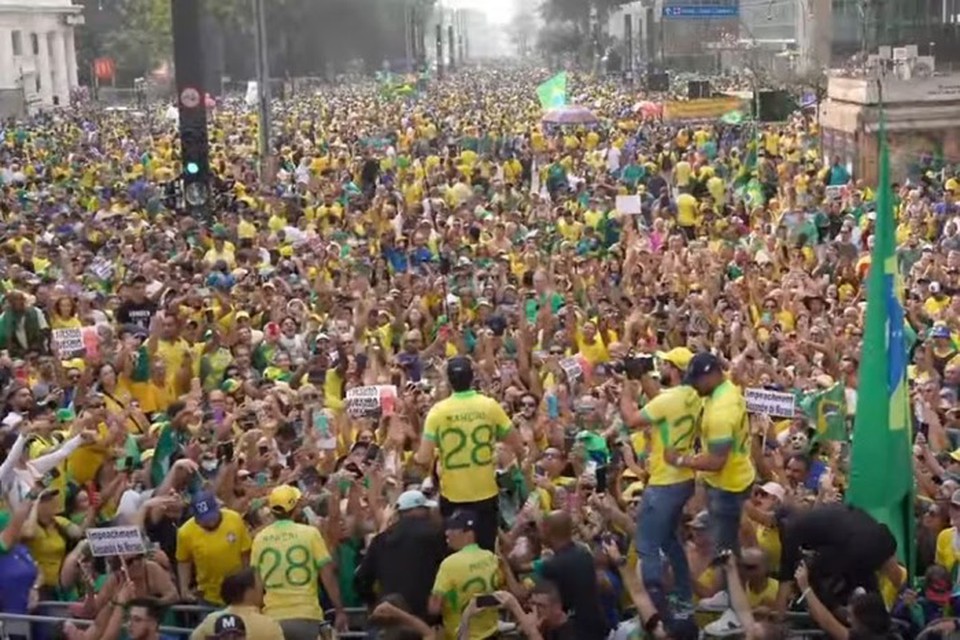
{"x": 303, "y": 35}
{"x": 144, "y": 38}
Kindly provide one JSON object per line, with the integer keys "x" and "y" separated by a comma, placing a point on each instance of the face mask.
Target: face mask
{"x": 209, "y": 465}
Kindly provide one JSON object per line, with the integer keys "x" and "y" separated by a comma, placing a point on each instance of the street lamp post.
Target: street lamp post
{"x": 263, "y": 85}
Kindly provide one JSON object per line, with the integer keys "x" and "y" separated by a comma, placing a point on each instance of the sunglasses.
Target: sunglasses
{"x": 530, "y": 405}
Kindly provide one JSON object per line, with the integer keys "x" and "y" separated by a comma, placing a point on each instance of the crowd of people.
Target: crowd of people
{"x": 431, "y": 370}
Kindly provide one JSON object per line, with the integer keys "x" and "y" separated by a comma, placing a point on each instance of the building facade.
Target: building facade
{"x": 921, "y": 117}
{"x": 932, "y": 25}
{"x": 38, "y": 50}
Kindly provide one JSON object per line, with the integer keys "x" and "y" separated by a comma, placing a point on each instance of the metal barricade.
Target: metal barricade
{"x": 16, "y": 624}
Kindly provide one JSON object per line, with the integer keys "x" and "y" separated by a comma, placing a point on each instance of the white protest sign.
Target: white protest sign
{"x": 629, "y": 205}
{"x": 68, "y": 342}
{"x": 571, "y": 367}
{"x": 102, "y": 269}
{"x": 772, "y": 403}
{"x": 371, "y": 401}
{"x": 253, "y": 92}
{"x": 116, "y": 541}
{"x": 834, "y": 192}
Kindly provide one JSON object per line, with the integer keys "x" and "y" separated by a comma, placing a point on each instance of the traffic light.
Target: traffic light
{"x": 188, "y": 57}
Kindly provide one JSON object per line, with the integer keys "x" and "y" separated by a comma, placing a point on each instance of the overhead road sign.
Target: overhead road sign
{"x": 700, "y": 12}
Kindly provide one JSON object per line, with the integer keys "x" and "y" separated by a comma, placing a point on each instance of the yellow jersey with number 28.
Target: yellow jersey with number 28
{"x": 289, "y": 556}
{"x": 465, "y": 427}
{"x": 673, "y": 414}
{"x": 725, "y": 423}
{"x": 468, "y": 573}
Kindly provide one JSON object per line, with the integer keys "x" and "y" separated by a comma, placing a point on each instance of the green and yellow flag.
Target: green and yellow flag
{"x": 881, "y": 466}
{"x": 553, "y": 92}
{"x": 827, "y": 412}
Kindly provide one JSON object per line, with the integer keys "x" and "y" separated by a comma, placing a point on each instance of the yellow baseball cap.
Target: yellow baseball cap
{"x": 679, "y": 357}
{"x": 284, "y": 498}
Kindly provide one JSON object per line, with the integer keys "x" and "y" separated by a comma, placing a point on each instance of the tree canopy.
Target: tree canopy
{"x": 305, "y": 36}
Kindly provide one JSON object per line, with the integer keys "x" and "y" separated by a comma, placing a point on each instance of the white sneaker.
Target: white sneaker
{"x": 727, "y": 625}
{"x": 720, "y": 601}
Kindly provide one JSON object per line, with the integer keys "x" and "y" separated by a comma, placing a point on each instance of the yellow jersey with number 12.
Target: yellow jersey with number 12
{"x": 673, "y": 414}
{"x": 465, "y": 427}
{"x": 289, "y": 557}
{"x": 725, "y": 423}
{"x": 468, "y": 573}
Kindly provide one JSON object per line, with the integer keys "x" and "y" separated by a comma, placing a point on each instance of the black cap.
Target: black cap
{"x": 462, "y": 520}
{"x": 228, "y": 624}
{"x": 459, "y": 365}
{"x": 460, "y": 373}
{"x": 700, "y": 365}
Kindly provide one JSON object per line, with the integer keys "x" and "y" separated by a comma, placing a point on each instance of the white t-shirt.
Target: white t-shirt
{"x": 613, "y": 159}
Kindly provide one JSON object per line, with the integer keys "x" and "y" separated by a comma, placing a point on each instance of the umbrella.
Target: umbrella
{"x": 570, "y": 115}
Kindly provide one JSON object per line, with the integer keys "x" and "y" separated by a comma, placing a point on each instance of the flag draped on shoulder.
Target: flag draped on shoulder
{"x": 553, "y": 92}
{"x": 881, "y": 474}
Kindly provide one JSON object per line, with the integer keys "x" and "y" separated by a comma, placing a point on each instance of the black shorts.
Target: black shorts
{"x": 488, "y": 514}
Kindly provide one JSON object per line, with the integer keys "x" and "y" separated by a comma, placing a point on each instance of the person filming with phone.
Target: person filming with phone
{"x": 463, "y": 429}
{"x": 843, "y": 548}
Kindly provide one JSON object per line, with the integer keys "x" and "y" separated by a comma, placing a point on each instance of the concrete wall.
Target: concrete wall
{"x": 12, "y": 104}
{"x": 918, "y": 90}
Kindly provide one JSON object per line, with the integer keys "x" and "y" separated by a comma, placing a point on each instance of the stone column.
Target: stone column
{"x": 8, "y": 71}
{"x": 71, "y": 53}
{"x": 43, "y": 69}
{"x": 61, "y": 86}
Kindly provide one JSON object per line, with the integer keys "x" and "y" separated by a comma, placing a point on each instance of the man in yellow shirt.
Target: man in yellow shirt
{"x": 688, "y": 214}
{"x": 669, "y": 421}
{"x": 948, "y": 540}
{"x": 725, "y": 466}
{"x": 467, "y": 573}
{"x": 214, "y": 543}
{"x": 464, "y": 429}
{"x": 292, "y": 559}
{"x": 243, "y": 594}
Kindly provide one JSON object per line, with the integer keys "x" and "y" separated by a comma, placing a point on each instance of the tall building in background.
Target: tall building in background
{"x": 932, "y": 25}
{"x": 644, "y": 20}
{"x": 690, "y": 31}
{"x": 38, "y": 60}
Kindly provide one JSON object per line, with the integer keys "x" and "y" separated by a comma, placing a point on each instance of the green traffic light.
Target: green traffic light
{"x": 193, "y": 168}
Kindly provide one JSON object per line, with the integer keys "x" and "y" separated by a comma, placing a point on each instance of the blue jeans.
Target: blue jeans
{"x": 725, "y": 508}
{"x": 658, "y": 527}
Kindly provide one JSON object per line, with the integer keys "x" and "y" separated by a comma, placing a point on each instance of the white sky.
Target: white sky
{"x": 499, "y": 11}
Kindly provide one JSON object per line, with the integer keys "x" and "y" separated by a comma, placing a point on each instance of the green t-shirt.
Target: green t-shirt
{"x": 532, "y": 305}
{"x": 348, "y": 559}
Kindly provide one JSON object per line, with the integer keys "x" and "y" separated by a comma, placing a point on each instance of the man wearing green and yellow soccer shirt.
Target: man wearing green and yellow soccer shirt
{"x": 462, "y": 431}
{"x": 670, "y": 421}
{"x": 726, "y": 466}
{"x": 467, "y": 573}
